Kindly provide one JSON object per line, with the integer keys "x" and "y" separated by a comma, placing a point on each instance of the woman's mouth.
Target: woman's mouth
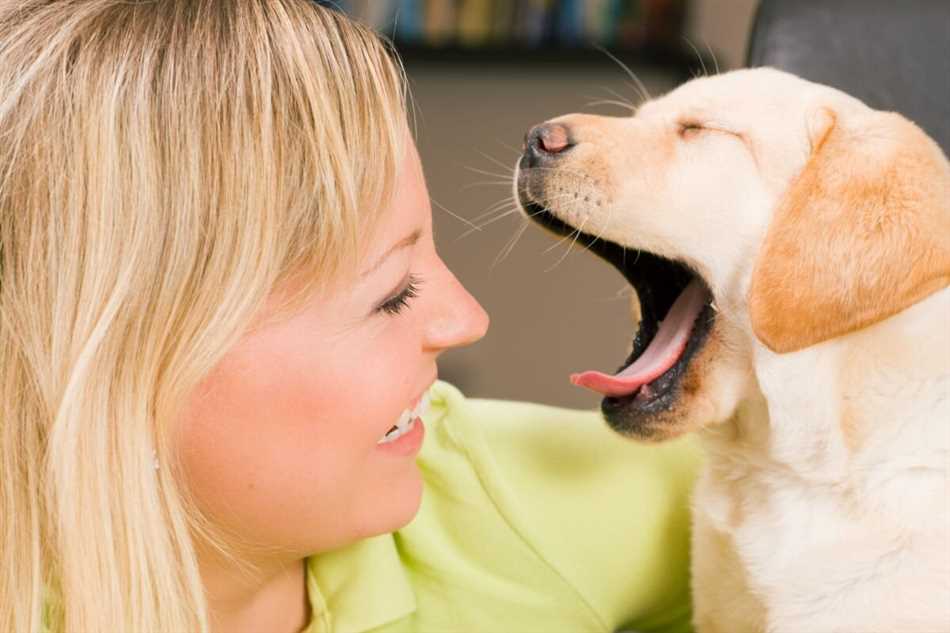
{"x": 407, "y": 421}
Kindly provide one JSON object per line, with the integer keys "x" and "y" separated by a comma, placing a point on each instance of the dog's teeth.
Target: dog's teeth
{"x": 712, "y": 304}
{"x": 645, "y": 392}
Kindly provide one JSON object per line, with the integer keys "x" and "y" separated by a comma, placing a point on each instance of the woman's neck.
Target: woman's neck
{"x": 273, "y": 597}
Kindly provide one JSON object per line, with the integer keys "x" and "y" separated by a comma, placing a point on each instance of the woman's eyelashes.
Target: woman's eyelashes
{"x": 396, "y": 304}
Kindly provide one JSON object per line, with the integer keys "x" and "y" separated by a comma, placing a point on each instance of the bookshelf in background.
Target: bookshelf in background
{"x": 532, "y": 31}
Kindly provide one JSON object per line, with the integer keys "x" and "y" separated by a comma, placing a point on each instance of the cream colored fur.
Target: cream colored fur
{"x": 824, "y": 506}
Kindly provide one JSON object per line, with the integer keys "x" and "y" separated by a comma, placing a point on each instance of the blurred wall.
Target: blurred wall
{"x": 723, "y": 25}
{"x": 555, "y": 310}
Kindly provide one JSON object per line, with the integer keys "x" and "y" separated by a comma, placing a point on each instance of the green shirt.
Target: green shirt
{"x": 533, "y": 519}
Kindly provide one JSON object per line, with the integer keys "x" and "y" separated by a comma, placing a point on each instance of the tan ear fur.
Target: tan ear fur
{"x": 862, "y": 233}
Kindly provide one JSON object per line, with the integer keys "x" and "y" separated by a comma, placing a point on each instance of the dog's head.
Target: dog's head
{"x": 750, "y": 209}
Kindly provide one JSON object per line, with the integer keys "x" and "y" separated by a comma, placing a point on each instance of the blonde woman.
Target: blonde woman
{"x": 220, "y": 313}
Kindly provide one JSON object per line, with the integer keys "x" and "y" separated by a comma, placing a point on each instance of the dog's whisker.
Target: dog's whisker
{"x": 467, "y": 233}
{"x": 712, "y": 55}
{"x": 510, "y": 168}
{"x": 620, "y": 101}
{"x": 488, "y": 173}
{"x": 486, "y": 183}
{"x": 511, "y": 147}
{"x": 613, "y": 102}
{"x": 623, "y": 256}
{"x": 511, "y": 244}
{"x": 558, "y": 262}
{"x": 624, "y": 292}
{"x": 501, "y": 215}
{"x": 500, "y": 203}
{"x": 494, "y": 216}
{"x": 495, "y": 207}
{"x": 699, "y": 57}
{"x": 452, "y": 213}
{"x": 577, "y": 233}
{"x": 536, "y": 213}
{"x": 619, "y": 96}
{"x": 558, "y": 243}
{"x": 498, "y": 214}
{"x": 638, "y": 85}
{"x": 580, "y": 231}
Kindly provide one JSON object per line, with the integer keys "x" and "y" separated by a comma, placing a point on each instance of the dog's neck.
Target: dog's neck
{"x": 859, "y": 401}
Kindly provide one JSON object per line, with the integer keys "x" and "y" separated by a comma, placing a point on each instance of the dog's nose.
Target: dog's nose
{"x": 544, "y": 142}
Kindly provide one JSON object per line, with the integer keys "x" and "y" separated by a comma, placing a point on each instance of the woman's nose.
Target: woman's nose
{"x": 458, "y": 320}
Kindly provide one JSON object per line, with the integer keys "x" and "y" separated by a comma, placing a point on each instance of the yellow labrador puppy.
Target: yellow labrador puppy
{"x": 790, "y": 248}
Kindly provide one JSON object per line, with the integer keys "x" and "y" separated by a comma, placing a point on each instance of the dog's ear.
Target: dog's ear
{"x": 862, "y": 233}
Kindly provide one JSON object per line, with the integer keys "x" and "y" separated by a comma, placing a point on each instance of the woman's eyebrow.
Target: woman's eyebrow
{"x": 409, "y": 240}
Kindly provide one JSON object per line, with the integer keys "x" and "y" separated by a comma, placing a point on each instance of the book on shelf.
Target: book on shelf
{"x": 625, "y": 24}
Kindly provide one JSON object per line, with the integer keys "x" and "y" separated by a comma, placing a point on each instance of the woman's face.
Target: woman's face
{"x": 280, "y": 443}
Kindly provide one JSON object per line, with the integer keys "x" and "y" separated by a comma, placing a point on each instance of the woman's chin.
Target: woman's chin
{"x": 397, "y": 504}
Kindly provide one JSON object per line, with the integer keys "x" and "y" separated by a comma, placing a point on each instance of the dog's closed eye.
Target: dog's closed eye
{"x": 690, "y": 128}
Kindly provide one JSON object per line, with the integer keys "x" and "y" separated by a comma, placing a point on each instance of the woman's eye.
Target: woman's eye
{"x": 398, "y": 303}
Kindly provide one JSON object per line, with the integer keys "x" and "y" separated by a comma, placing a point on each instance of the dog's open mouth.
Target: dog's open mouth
{"x": 676, "y": 316}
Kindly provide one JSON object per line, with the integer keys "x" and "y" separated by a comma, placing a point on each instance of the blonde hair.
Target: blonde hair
{"x": 164, "y": 167}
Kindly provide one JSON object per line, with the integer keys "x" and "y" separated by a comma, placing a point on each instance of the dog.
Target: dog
{"x": 790, "y": 249}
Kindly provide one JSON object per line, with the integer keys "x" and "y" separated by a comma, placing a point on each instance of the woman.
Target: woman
{"x": 221, "y": 309}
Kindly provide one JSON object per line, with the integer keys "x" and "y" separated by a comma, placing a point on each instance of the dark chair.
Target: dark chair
{"x": 891, "y": 54}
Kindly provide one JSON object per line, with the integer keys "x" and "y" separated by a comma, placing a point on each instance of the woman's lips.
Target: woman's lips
{"x": 407, "y": 418}
{"x": 407, "y": 444}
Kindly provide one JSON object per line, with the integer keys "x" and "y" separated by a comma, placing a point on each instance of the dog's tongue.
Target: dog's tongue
{"x": 664, "y": 350}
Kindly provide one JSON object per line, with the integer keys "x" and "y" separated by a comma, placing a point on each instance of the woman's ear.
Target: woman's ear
{"x": 862, "y": 233}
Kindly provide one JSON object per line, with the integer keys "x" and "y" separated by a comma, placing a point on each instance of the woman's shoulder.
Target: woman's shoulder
{"x": 523, "y": 489}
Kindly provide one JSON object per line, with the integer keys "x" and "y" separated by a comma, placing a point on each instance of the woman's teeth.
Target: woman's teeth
{"x": 407, "y": 419}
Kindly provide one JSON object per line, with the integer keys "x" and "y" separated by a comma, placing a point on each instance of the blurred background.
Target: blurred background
{"x": 481, "y": 73}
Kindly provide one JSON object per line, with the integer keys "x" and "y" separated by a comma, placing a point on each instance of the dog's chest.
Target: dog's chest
{"x": 809, "y": 548}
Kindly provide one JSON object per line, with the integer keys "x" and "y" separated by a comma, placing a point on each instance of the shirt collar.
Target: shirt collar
{"x": 359, "y": 587}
